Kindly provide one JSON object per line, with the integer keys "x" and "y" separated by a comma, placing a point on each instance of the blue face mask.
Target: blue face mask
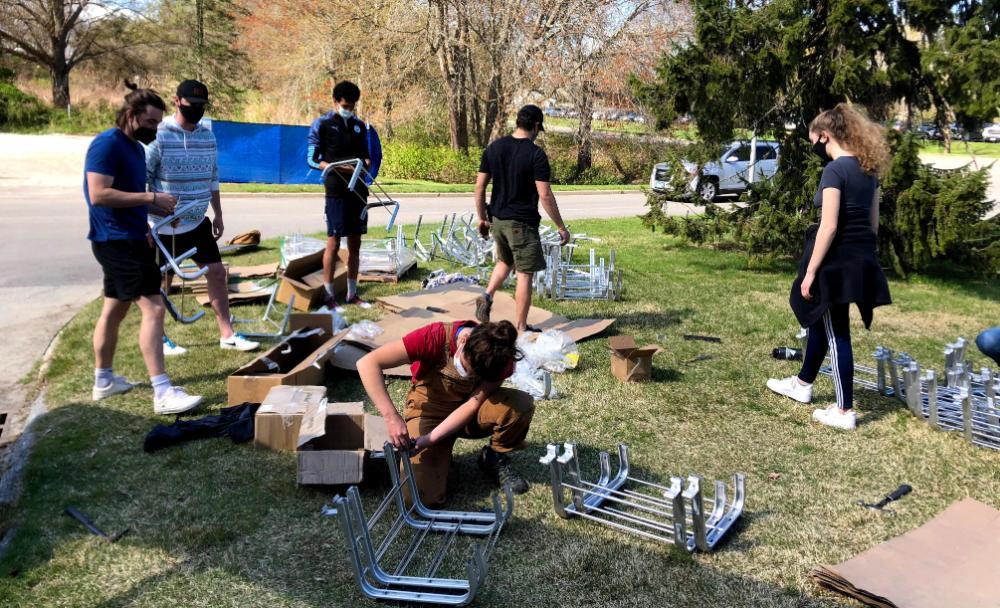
{"x": 345, "y": 114}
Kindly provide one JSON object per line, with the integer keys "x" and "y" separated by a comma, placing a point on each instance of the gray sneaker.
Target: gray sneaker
{"x": 484, "y": 304}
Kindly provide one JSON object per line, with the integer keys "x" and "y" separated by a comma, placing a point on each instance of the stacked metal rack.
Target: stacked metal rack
{"x": 414, "y": 577}
{"x": 967, "y": 402}
{"x": 673, "y": 513}
{"x": 564, "y": 280}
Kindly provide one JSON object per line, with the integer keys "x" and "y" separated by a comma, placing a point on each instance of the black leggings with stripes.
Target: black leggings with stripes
{"x": 832, "y": 333}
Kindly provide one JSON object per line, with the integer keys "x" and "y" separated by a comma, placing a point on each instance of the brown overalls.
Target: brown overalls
{"x": 505, "y": 415}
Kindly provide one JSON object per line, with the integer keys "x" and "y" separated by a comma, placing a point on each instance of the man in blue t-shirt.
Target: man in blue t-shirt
{"x": 114, "y": 188}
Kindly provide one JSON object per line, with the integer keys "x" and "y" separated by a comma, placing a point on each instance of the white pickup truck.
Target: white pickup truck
{"x": 728, "y": 175}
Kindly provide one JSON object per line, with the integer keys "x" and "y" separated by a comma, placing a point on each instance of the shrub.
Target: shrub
{"x": 19, "y": 110}
{"x": 429, "y": 162}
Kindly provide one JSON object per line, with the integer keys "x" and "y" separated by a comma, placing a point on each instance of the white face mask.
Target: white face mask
{"x": 345, "y": 114}
{"x": 458, "y": 365}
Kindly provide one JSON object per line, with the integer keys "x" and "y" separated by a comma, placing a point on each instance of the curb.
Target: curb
{"x": 404, "y": 195}
{"x": 10, "y": 483}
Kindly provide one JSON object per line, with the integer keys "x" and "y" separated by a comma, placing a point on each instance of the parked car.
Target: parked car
{"x": 728, "y": 175}
{"x": 991, "y": 133}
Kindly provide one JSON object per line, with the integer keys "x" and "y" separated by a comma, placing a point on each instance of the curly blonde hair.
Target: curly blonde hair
{"x": 856, "y": 133}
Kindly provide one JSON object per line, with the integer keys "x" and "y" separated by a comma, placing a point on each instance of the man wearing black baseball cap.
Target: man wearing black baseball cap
{"x": 183, "y": 160}
{"x": 520, "y": 173}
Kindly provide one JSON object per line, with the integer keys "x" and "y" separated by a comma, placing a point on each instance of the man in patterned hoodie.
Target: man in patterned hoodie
{"x": 182, "y": 161}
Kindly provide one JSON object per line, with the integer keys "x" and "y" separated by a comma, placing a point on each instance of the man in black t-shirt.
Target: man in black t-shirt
{"x": 520, "y": 173}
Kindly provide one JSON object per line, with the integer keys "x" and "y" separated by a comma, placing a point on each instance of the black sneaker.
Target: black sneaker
{"x": 484, "y": 304}
{"x": 498, "y": 468}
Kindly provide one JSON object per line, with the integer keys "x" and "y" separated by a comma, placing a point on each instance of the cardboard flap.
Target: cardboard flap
{"x": 623, "y": 346}
{"x": 313, "y": 423}
{"x": 299, "y": 267}
{"x": 323, "y": 320}
{"x": 289, "y": 400}
{"x": 647, "y": 351}
{"x": 376, "y": 433}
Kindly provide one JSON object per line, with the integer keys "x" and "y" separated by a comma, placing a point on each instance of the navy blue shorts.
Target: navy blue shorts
{"x": 343, "y": 216}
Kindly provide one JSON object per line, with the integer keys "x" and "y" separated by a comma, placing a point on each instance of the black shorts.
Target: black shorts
{"x": 201, "y": 237}
{"x": 130, "y": 269}
{"x": 343, "y": 216}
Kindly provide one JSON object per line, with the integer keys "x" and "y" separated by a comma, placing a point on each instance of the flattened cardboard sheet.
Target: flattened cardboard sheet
{"x": 951, "y": 560}
{"x": 458, "y": 301}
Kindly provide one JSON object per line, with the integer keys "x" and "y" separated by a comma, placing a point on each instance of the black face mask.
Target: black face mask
{"x": 144, "y": 135}
{"x": 192, "y": 113}
{"x": 820, "y": 149}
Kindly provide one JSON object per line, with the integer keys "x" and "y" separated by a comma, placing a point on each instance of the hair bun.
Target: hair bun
{"x": 131, "y": 85}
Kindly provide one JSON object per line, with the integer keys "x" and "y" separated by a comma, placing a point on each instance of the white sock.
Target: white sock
{"x": 352, "y": 288}
{"x": 329, "y": 289}
{"x": 103, "y": 377}
{"x": 161, "y": 384}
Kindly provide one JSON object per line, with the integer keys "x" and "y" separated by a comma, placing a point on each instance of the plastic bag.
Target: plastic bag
{"x": 363, "y": 331}
{"x": 438, "y": 278}
{"x": 551, "y": 350}
{"x": 536, "y": 382}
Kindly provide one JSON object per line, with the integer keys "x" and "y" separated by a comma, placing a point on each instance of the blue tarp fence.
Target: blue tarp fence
{"x": 262, "y": 153}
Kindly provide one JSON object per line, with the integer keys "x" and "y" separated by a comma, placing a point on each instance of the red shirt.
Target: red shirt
{"x": 425, "y": 345}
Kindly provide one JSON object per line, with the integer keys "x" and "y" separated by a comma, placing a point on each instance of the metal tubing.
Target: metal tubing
{"x": 693, "y": 495}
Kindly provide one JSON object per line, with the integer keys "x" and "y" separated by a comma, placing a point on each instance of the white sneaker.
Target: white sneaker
{"x": 832, "y": 416}
{"x": 238, "y": 342}
{"x": 118, "y": 385}
{"x": 791, "y": 388}
{"x": 170, "y": 349}
{"x": 176, "y": 401}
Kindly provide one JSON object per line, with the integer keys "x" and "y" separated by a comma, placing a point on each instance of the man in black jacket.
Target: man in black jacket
{"x": 340, "y": 135}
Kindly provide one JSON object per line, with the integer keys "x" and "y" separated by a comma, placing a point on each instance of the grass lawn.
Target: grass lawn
{"x": 214, "y": 524}
{"x": 412, "y": 186}
{"x": 979, "y": 148}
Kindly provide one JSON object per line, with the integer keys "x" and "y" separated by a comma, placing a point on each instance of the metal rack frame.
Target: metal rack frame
{"x": 967, "y": 402}
{"x": 672, "y": 513}
{"x": 393, "y": 583}
{"x": 382, "y": 198}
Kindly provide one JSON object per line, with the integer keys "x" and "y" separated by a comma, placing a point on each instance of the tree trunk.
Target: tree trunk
{"x": 59, "y": 70}
{"x": 387, "y": 110}
{"x": 584, "y": 132}
{"x": 60, "y": 86}
{"x": 453, "y": 66}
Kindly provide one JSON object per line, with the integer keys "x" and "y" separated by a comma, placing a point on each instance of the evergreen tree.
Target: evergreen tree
{"x": 756, "y": 67}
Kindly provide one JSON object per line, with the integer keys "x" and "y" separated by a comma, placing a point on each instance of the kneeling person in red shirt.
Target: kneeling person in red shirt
{"x": 457, "y": 369}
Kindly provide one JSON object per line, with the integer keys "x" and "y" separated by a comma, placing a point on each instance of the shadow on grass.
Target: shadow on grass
{"x": 220, "y": 522}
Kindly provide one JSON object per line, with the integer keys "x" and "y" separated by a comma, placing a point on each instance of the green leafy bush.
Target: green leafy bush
{"x": 19, "y": 110}
{"x": 404, "y": 160}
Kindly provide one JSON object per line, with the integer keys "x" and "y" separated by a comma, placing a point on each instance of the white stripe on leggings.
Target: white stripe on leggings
{"x": 838, "y": 385}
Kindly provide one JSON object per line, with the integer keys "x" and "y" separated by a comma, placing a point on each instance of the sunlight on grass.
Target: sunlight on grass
{"x": 215, "y": 524}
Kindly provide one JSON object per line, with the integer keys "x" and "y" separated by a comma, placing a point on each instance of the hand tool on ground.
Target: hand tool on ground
{"x": 896, "y": 494}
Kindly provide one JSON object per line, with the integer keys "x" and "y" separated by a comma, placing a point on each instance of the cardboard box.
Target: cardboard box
{"x": 279, "y": 417}
{"x": 629, "y": 363}
{"x": 296, "y": 360}
{"x": 303, "y": 278}
{"x": 334, "y": 441}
